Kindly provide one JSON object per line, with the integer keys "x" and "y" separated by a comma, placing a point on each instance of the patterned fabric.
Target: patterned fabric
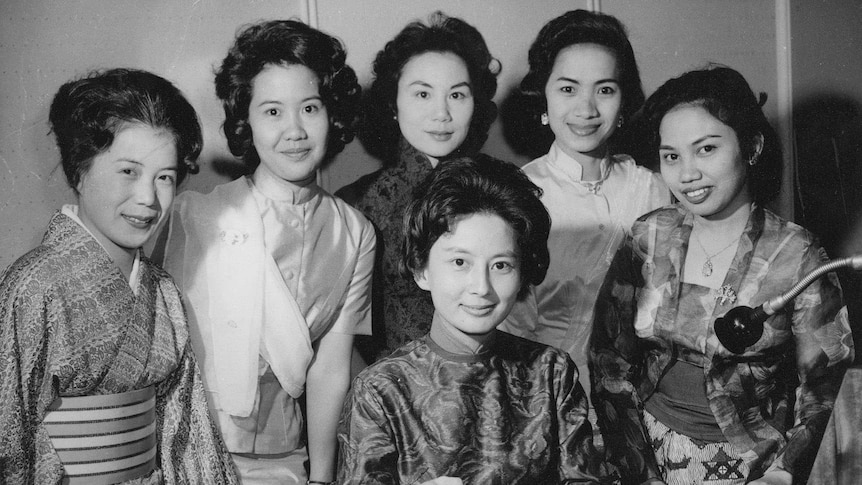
{"x": 383, "y": 196}
{"x": 683, "y": 461}
{"x": 804, "y": 348}
{"x": 514, "y": 414}
{"x": 587, "y": 226}
{"x": 70, "y": 325}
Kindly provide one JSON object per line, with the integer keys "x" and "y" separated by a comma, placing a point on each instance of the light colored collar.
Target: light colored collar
{"x": 71, "y": 211}
{"x": 280, "y": 190}
{"x": 571, "y": 167}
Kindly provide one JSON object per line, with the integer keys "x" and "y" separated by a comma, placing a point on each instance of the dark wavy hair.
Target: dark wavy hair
{"x": 465, "y": 186}
{"x": 283, "y": 43}
{"x": 725, "y": 94}
{"x": 526, "y": 105}
{"x": 379, "y": 131}
{"x": 86, "y": 115}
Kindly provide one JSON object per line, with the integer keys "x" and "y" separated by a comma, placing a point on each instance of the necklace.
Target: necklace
{"x": 706, "y": 269}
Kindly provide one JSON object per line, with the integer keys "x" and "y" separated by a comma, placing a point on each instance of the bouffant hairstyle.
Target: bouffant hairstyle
{"x": 283, "y": 43}
{"x": 574, "y": 27}
{"x": 725, "y": 94}
{"x": 88, "y": 113}
{"x": 465, "y": 186}
{"x": 380, "y": 133}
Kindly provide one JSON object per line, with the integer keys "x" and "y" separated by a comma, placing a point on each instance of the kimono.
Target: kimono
{"x": 774, "y": 400}
{"x": 512, "y": 414}
{"x": 71, "y": 325}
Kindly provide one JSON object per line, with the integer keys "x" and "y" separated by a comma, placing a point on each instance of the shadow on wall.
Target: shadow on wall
{"x": 828, "y": 197}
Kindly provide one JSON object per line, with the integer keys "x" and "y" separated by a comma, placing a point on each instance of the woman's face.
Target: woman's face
{"x": 701, "y": 162}
{"x": 435, "y": 103}
{"x": 129, "y": 188}
{"x": 289, "y": 122}
{"x": 584, "y": 99}
{"x": 473, "y": 274}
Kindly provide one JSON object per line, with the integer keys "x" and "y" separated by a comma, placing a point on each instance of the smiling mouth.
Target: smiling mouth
{"x": 478, "y": 310}
{"x": 697, "y": 195}
{"x": 296, "y": 153}
{"x": 140, "y": 222}
{"x": 440, "y": 135}
{"x": 584, "y": 130}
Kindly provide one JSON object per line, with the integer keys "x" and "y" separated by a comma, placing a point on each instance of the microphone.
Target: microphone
{"x": 742, "y": 327}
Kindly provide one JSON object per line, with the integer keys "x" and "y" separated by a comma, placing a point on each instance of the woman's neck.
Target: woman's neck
{"x": 732, "y": 223}
{"x": 454, "y": 341}
{"x": 590, "y": 162}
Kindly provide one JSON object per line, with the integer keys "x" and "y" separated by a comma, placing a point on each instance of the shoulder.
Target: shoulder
{"x": 34, "y": 272}
{"x": 536, "y": 167}
{"x": 513, "y": 347}
{"x": 392, "y": 370}
{"x": 355, "y": 192}
{"x": 349, "y": 216}
{"x": 794, "y": 238}
{"x": 625, "y": 165}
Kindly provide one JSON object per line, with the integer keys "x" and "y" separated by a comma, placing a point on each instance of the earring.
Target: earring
{"x": 544, "y": 119}
{"x": 752, "y": 161}
{"x": 620, "y": 122}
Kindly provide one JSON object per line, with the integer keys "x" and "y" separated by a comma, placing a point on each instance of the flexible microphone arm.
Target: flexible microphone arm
{"x": 742, "y": 327}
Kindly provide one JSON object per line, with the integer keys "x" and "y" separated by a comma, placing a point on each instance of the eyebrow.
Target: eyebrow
{"x": 278, "y": 102}
{"x": 460, "y": 250}
{"x": 699, "y": 140}
{"x": 425, "y": 84}
{"x": 599, "y": 81}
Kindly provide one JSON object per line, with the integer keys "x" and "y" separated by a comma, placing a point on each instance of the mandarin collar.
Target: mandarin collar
{"x": 569, "y": 166}
{"x": 282, "y": 191}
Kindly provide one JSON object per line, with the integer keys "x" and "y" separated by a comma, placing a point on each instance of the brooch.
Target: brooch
{"x": 233, "y": 237}
{"x": 725, "y": 295}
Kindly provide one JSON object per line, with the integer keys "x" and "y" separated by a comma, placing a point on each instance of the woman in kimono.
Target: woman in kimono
{"x": 431, "y": 99}
{"x": 674, "y": 404}
{"x": 276, "y": 271}
{"x": 99, "y": 383}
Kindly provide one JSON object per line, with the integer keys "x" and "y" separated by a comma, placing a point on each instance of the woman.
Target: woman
{"x": 431, "y": 98}
{"x": 99, "y": 383}
{"x": 674, "y": 404}
{"x": 466, "y": 403}
{"x": 277, "y": 272}
{"x": 582, "y": 86}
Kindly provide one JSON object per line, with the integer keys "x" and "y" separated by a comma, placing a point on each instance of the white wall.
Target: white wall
{"x": 43, "y": 43}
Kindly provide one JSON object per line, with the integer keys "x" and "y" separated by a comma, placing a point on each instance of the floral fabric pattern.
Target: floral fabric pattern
{"x": 512, "y": 415}
{"x": 70, "y": 325}
{"x": 401, "y": 311}
{"x": 801, "y": 356}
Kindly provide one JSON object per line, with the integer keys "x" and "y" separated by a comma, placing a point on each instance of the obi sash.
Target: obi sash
{"x": 104, "y": 439}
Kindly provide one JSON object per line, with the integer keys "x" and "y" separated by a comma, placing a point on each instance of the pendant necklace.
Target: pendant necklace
{"x": 706, "y": 269}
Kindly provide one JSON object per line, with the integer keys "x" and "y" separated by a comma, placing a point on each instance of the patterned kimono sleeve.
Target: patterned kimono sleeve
{"x": 26, "y": 453}
{"x": 615, "y": 361}
{"x": 824, "y": 349}
{"x": 190, "y": 446}
{"x": 367, "y": 451}
{"x": 579, "y": 460}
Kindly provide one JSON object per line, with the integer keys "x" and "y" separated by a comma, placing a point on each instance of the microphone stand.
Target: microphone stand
{"x": 742, "y": 327}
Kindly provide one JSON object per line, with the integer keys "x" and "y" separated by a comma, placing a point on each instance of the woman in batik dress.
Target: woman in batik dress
{"x": 674, "y": 404}
{"x": 99, "y": 383}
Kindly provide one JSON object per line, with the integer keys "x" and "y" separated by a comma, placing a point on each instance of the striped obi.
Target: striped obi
{"x": 104, "y": 439}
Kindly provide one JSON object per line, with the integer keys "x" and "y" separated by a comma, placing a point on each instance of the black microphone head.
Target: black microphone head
{"x": 740, "y": 328}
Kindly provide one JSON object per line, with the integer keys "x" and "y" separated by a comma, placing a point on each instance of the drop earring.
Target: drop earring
{"x": 544, "y": 119}
{"x": 620, "y": 122}
{"x": 752, "y": 161}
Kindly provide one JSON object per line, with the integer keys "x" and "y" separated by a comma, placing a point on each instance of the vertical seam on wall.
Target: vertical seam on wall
{"x": 784, "y": 76}
{"x": 594, "y": 5}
